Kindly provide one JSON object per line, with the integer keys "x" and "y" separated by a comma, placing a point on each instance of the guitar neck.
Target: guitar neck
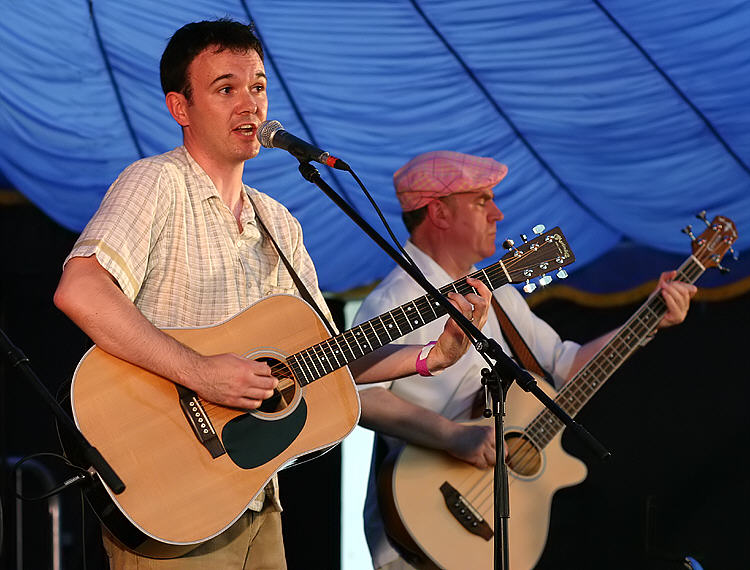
{"x": 579, "y": 390}
{"x": 323, "y": 358}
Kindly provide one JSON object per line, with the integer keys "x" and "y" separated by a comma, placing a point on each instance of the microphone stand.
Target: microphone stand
{"x": 497, "y": 380}
{"x": 88, "y": 453}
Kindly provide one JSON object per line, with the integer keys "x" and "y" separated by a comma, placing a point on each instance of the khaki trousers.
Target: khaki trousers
{"x": 254, "y": 542}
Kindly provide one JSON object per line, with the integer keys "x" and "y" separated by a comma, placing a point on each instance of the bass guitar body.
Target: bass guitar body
{"x": 418, "y": 495}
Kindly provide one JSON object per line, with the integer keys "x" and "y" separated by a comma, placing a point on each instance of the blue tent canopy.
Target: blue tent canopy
{"x": 619, "y": 120}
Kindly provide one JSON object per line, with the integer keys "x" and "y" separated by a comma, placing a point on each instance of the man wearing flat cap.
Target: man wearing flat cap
{"x": 449, "y": 209}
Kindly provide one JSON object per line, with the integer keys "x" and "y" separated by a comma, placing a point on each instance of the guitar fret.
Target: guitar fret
{"x": 320, "y": 354}
{"x": 388, "y": 327}
{"x": 385, "y": 328}
{"x": 406, "y": 317}
{"x": 312, "y": 358}
{"x": 331, "y": 354}
{"x": 364, "y": 345}
{"x": 395, "y": 322}
{"x": 299, "y": 372}
{"x": 375, "y": 333}
{"x": 349, "y": 346}
{"x": 432, "y": 305}
{"x": 310, "y": 373}
{"x": 338, "y": 350}
{"x": 314, "y": 361}
{"x": 417, "y": 323}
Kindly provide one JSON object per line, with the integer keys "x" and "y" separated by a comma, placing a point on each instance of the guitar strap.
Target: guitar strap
{"x": 518, "y": 346}
{"x": 297, "y": 281}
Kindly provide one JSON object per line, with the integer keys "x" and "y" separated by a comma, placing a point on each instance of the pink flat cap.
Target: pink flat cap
{"x": 433, "y": 175}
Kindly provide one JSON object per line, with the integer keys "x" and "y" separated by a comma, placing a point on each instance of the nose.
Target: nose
{"x": 494, "y": 214}
{"x": 247, "y": 103}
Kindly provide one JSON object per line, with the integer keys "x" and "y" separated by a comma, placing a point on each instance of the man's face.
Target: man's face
{"x": 473, "y": 217}
{"x": 228, "y": 103}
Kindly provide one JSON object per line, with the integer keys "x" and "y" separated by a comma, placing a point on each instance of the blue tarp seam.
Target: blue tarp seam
{"x": 113, "y": 81}
{"x": 673, "y": 85}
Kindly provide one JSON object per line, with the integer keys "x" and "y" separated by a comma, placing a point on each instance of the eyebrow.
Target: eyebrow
{"x": 258, "y": 75}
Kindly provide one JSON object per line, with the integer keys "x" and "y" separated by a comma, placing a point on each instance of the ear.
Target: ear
{"x": 177, "y": 105}
{"x": 439, "y": 214}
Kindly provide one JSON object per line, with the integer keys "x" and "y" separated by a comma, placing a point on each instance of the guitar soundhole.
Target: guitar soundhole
{"x": 285, "y": 391}
{"x": 523, "y": 456}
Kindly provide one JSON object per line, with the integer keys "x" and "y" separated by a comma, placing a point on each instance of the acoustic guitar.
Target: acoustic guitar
{"x": 440, "y": 510}
{"x": 191, "y": 467}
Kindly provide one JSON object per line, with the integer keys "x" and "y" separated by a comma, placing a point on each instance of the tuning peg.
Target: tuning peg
{"x": 508, "y": 244}
{"x": 545, "y": 280}
{"x": 735, "y": 255}
{"x": 688, "y": 229}
{"x": 562, "y": 274}
{"x": 702, "y": 216}
{"x": 524, "y": 238}
{"x": 529, "y": 287}
{"x": 717, "y": 258}
{"x": 538, "y": 229}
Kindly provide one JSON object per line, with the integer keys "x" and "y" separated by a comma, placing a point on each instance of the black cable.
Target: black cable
{"x": 382, "y": 217}
{"x": 81, "y": 475}
{"x": 83, "y": 528}
{"x": 2, "y": 528}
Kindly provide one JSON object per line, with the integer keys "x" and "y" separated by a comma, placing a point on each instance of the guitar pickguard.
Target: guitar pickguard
{"x": 251, "y": 441}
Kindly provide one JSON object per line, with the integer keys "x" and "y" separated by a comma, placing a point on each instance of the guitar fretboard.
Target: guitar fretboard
{"x": 333, "y": 353}
{"x": 579, "y": 390}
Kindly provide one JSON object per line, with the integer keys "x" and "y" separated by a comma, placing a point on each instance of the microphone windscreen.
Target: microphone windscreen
{"x": 266, "y": 131}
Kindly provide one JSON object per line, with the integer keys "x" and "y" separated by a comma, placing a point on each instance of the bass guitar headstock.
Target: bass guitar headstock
{"x": 709, "y": 247}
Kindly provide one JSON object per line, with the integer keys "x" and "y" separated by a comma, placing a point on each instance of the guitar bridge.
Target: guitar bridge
{"x": 198, "y": 419}
{"x": 464, "y": 513}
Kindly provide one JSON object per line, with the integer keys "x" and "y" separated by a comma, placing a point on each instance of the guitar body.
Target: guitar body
{"x": 419, "y": 473}
{"x": 177, "y": 495}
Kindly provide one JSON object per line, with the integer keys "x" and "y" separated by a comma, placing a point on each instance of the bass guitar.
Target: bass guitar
{"x": 441, "y": 510}
{"x": 191, "y": 467}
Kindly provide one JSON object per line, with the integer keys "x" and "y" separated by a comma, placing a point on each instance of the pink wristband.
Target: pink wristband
{"x": 421, "y": 364}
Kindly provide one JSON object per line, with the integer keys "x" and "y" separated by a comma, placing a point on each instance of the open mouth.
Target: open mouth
{"x": 247, "y": 130}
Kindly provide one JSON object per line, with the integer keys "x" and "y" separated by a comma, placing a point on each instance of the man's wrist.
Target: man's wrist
{"x": 421, "y": 363}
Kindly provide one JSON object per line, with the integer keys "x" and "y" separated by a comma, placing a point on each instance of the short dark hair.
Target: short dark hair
{"x": 414, "y": 218}
{"x": 191, "y": 39}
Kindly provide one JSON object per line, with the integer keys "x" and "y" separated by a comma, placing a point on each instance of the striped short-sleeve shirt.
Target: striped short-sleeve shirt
{"x": 176, "y": 250}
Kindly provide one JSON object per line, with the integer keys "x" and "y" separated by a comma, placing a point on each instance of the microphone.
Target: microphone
{"x": 271, "y": 134}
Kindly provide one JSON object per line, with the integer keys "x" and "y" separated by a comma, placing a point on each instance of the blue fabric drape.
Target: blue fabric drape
{"x": 619, "y": 120}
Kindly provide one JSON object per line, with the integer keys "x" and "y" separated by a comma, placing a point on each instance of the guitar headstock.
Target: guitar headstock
{"x": 535, "y": 258}
{"x": 714, "y": 242}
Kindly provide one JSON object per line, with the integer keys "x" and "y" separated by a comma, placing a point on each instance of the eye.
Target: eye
{"x": 226, "y": 90}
